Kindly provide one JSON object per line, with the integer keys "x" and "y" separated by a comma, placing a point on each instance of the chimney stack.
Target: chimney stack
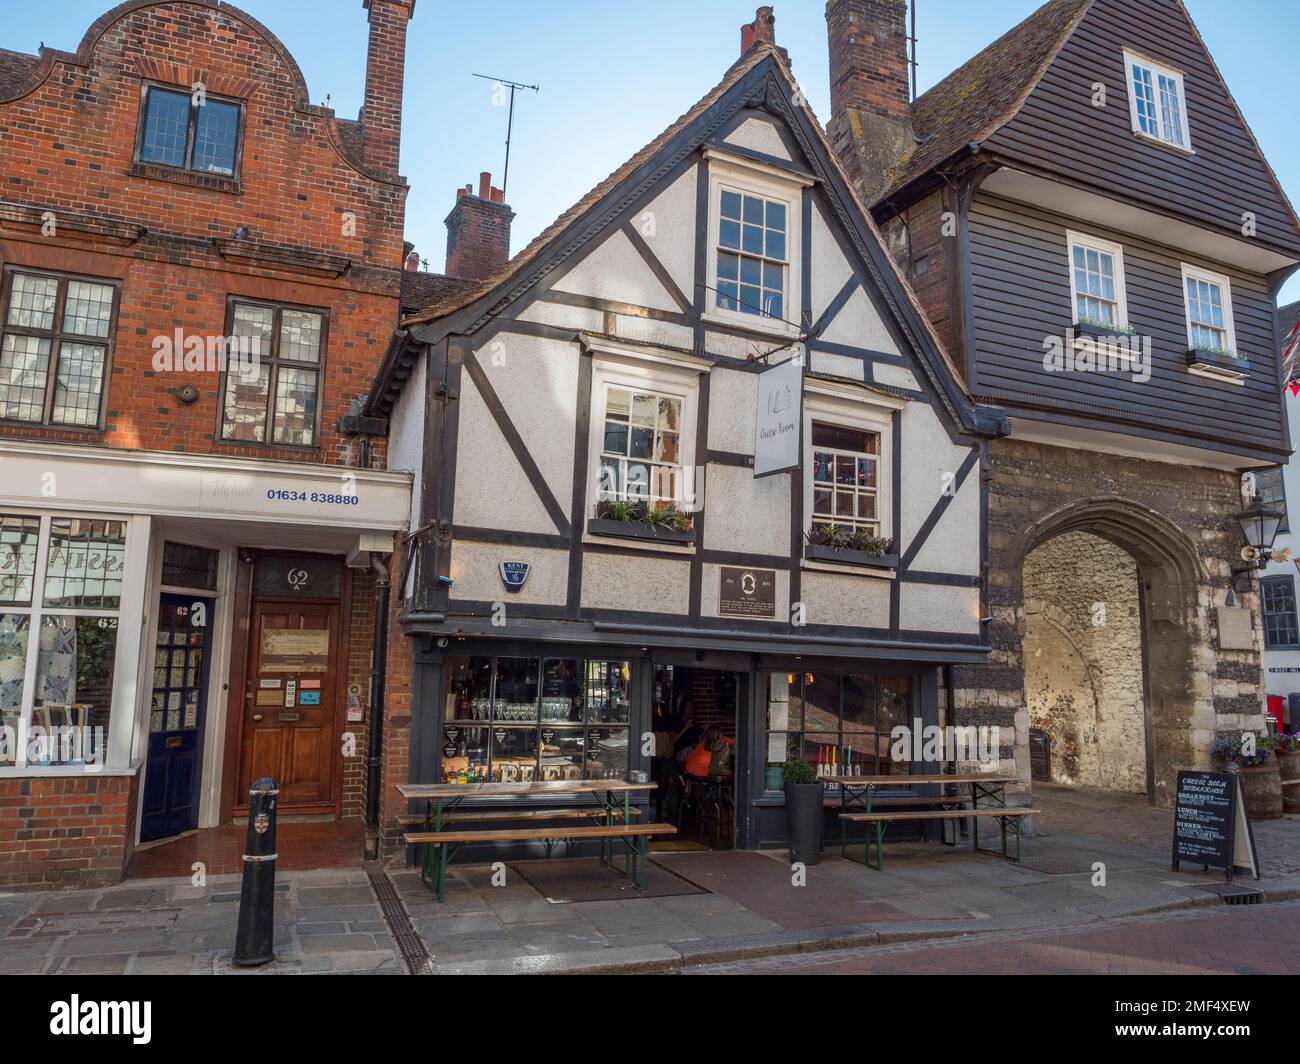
{"x": 871, "y": 97}
{"x": 478, "y": 231}
{"x": 381, "y": 113}
{"x": 761, "y": 30}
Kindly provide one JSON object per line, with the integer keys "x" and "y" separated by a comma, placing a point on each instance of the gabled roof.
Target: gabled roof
{"x": 981, "y": 96}
{"x": 516, "y": 264}
{"x": 761, "y": 72}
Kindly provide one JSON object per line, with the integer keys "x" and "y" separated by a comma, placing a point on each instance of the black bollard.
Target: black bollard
{"x": 253, "y": 939}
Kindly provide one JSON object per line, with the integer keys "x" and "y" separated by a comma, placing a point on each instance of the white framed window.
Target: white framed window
{"x": 848, "y": 458}
{"x": 1157, "y": 101}
{"x": 754, "y": 268}
{"x": 1097, "y": 282}
{"x": 67, "y": 638}
{"x": 845, "y": 471}
{"x": 1207, "y": 298}
{"x": 644, "y": 408}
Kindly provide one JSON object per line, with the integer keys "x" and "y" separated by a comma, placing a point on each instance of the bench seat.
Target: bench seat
{"x": 1006, "y": 814}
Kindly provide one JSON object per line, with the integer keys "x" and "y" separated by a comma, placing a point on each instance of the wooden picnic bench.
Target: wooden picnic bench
{"x": 879, "y": 821}
{"x": 614, "y": 817}
{"x": 635, "y": 838}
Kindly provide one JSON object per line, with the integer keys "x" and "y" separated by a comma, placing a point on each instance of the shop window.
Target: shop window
{"x": 64, "y": 637}
{"x": 272, "y": 391}
{"x": 190, "y": 567}
{"x": 55, "y": 341}
{"x": 519, "y": 720}
{"x": 190, "y": 131}
{"x": 837, "y": 722}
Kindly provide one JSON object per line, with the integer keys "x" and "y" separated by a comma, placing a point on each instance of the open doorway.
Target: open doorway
{"x": 695, "y": 724}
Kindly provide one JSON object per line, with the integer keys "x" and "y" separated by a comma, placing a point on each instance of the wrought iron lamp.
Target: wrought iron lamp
{"x": 1259, "y": 523}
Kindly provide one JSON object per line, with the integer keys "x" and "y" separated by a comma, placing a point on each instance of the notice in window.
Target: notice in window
{"x": 295, "y": 650}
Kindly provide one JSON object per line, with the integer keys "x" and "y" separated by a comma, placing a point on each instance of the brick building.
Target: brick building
{"x": 201, "y": 272}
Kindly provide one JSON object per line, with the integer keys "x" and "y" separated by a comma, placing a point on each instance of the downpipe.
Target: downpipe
{"x": 378, "y": 674}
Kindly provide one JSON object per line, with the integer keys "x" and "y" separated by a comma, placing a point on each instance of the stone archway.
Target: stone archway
{"x": 1110, "y": 592}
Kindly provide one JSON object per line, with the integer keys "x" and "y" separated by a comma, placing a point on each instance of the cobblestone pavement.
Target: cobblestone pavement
{"x": 324, "y": 922}
{"x": 1241, "y": 940}
{"x": 1130, "y": 818}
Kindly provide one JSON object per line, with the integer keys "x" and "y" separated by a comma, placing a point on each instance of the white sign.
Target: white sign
{"x": 777, "y": 433}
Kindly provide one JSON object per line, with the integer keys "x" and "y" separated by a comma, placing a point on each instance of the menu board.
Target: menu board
{"x": 1210, "y": 824}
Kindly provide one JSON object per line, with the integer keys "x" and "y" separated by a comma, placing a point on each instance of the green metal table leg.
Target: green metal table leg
{"x": 1002, "y": 823}
{"x": 628, "y": 862}
{"x": 643, "y": 846}
{"x": 442, "y": 871}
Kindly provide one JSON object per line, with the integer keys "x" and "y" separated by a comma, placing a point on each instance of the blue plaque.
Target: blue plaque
{"x": 513, "y": 575}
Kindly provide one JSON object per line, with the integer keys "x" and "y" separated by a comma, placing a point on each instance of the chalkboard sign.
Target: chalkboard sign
{"x": 1210, "y": 824}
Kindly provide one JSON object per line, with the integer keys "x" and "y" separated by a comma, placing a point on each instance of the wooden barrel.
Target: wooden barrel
{"x": 1289, "y": 765}
{"x": 1262, "y": 786}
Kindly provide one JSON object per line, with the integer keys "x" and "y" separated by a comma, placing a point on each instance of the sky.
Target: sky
{"x": 614, "y": 73}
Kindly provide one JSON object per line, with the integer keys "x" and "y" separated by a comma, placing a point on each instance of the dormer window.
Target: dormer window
{"x": 1156, "y": 101}
{"x": 190, "y": 131}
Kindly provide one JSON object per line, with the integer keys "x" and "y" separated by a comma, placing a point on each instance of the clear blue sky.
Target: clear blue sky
{"x": 614, "y": 73}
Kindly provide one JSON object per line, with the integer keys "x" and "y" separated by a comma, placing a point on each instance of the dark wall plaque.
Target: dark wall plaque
{"x": 747, "y": 593}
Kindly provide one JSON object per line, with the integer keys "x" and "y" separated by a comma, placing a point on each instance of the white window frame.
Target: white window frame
{"x": 1156, "y": 69}
{"x": 736, "y": 174}
{"x": 1106, "y": 247}
{"x": 832, "y": 404}
{"x": 670, "y": 374}
{"x": 1225, "y": 288}
{"x": 126, "y": 654}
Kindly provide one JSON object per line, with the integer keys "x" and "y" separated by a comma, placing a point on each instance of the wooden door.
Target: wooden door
{"x": 290, "y": 729}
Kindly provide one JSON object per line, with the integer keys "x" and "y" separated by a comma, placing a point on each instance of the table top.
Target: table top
{"x": 534, "y": 789}
{"x": 912, "y": 781}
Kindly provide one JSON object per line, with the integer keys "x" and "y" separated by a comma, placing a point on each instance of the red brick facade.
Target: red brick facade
{"x": 478, "y": 232}
{"x": 868, "y": 45}
{"x": 66, "y": 831}
{"x": 311, "y": 218}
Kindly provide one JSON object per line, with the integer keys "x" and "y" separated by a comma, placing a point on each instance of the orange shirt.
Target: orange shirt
{"x": 700, "y": 759}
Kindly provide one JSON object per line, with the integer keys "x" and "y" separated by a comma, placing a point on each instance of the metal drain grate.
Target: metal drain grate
{"x": 1242, "y": 896}
{"x": 409, "y": 944}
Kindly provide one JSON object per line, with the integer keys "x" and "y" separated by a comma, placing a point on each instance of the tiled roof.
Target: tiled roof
{"x": 980, "y": 97}
{"x": 15, "y": 69}
{"x": 1288, "y": 318}
{"x": 421, "y": 290}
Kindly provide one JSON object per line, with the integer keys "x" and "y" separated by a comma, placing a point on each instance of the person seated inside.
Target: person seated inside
{"x": 711, "y": 756}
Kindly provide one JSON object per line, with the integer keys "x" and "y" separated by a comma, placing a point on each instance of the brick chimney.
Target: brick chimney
{"x": 381, "y": 113}
{"x": 761, "y": 30}
{"x": 478, "y": 231}
{"x": 871, "y": 99}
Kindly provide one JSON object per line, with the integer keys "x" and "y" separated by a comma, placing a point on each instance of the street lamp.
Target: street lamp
{"x": 1259, "y": 523}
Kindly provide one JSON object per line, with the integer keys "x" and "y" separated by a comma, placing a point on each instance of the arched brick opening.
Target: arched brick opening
{"x": 1156, "y": 679}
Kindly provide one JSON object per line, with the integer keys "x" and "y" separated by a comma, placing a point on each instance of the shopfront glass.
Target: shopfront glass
{"x": 515, "y": 720}
{"x": 60, "y": 597}
{"x": 839, "y": 723}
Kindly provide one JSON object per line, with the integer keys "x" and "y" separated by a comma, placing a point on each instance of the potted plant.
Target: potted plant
{"x": 621, "y": 517}
{"x": 804, "y": 798}
{"x": 1218, "y": 362}
{"x": 849, "y": 546}
{"x": 1261, "y": 784}
{"x": 1288, "y": 765}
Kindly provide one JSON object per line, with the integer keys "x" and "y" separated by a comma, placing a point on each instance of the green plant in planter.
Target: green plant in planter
{"x": 1288, "y": 742}
{"x": 632, "y": 513}
{"x": 869, "y": 543}
{"x": 1228, "y": 750}
{"x": 1094, "y": 323}
{"x": 798, "y": 771}
{"x": 1223, "y": 352}
{"x": 669, "y": 518}
{"x": 617, "y": 510}
{"x": 844, "y": 537}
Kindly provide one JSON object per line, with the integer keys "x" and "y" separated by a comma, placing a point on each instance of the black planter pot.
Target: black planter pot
{"x": 804, "y": 820}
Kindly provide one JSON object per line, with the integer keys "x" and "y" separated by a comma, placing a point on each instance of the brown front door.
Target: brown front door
{"x": 291, "y": 704}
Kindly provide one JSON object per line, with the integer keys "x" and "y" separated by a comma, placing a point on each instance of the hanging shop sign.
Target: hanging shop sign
{"x": 776, "y": 432}
{"x": 747, "y": 593}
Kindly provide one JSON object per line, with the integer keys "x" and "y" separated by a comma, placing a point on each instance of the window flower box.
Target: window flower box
{"x": 599, "y": 526}
{"x": 1097, "y": 331}
{"x": 862, "y": 559}
{"x": 1227, "y": 365}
